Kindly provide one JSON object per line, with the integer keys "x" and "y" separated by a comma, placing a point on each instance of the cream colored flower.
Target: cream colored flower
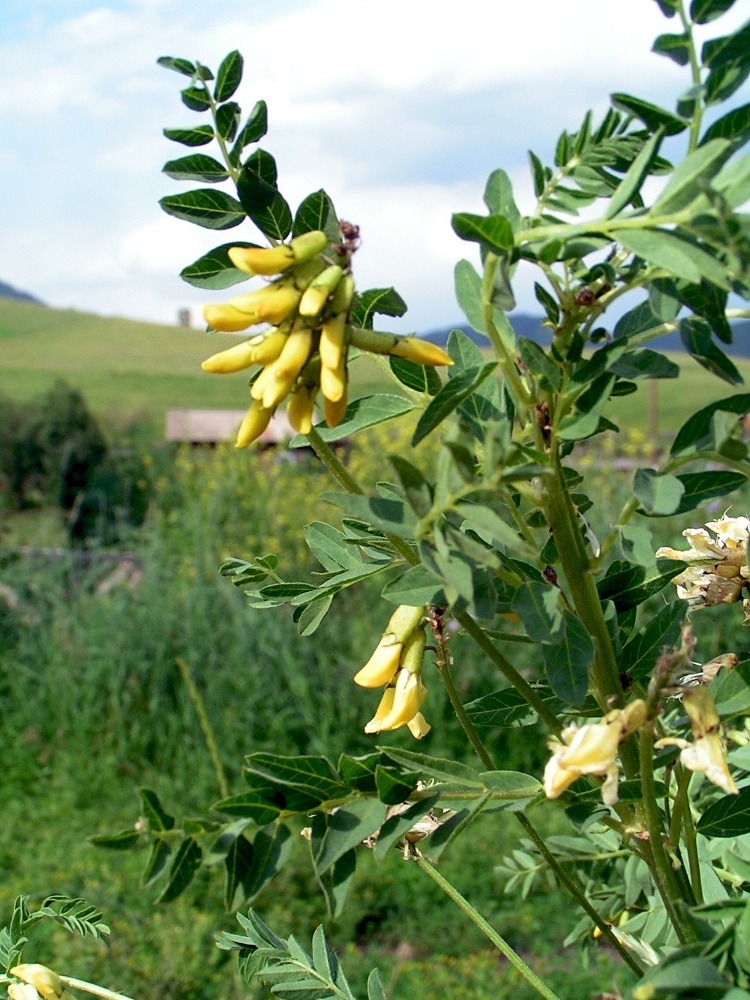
{"x": 717, "y": 567}
{"x": 706, "y": 753}
{"x": 592, "y": 749}
{"x": 22, "y": 991}
{"x": 44, "y": 980}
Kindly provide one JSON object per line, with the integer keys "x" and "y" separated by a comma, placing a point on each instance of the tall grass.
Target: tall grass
{"x": 93, "y": 703}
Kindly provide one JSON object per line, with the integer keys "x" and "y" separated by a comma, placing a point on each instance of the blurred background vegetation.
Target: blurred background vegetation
{"x": 110, "y": 542}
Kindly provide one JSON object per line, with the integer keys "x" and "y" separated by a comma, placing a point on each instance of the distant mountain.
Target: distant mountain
{"x": 531, "y": 327}
{"x": 9, "y": 292}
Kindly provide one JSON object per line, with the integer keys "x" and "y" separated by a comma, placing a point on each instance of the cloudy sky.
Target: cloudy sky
{"x": 399, "y": 108}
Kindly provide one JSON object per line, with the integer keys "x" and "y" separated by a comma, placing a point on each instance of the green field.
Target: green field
{"x": 134, "y": 372}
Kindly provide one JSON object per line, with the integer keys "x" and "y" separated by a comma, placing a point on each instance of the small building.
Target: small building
{"x": 213, "y": 426}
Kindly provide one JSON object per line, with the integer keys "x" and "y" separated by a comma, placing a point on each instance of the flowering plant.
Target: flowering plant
{"x": 495, "y": 542}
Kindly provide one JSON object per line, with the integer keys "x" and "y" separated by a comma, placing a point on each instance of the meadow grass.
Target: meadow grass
{"x": 132, "y": 372}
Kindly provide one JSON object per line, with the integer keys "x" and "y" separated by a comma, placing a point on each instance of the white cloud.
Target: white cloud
{"x": 400, "y": 108}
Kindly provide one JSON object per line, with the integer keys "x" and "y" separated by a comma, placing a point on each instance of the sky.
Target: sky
{"x": 399, "y": 108}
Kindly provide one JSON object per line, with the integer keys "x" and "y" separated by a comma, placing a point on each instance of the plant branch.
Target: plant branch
{"x": 478, "y": 920}
{"x": 576, "y": 893}
{"x": 662, "y": 871}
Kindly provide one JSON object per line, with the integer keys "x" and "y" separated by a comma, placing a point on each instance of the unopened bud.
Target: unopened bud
{"x": 300, "y": 408}
{"x": 295, "y": 352}
{"x": 318, "y": 291}
{"x": 226, "y": 318}
{"x": 332, "y": 334}
{"x": 404, "y": 620}
{"x": 259, "y": 350}
{"x": 271, "y": 304}
{"x": 254, "y": 423}
{"x": 335, "y": 411}
{"x": 421, "y": 351}
{"x": 333, "y": 381}
{"x": 411, "y": 659}
{"x": 274, "y": 260}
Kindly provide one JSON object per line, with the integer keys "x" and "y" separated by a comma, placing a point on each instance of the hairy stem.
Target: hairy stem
{"x": 478, "y": 920}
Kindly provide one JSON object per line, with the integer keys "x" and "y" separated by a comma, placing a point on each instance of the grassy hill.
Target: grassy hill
{"x": 131, "y": 371}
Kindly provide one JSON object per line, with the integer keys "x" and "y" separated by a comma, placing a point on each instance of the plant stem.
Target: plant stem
{"x": 521, "y": 685}
{"x": 576, "y": 893}
{"x": 662, "y": 871}
{"x": 206, "y": 728}
{"x": 476, "y": 918}
{"x": 695, "y": 69}
{"x": 334, "y": 465}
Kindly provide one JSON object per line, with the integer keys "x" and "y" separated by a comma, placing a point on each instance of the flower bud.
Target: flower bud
{"x": 262, "y": 260}
{"x": 335, "y": 410}
{"x": 254, "y": 423}
{"x": 258, "y": 350}
{"x": 44, "y": 980}
{"x": 226, "y": 318}
{"x": 342, "y": 297}
{"x": 421, "y": 351}
{"x": 300, "y": 408}
{"x": 295, "y": 352}
{"x": 333, "y": 381}
{"x": 274, "y": 260}
{"x": 332, "y": 335}
{"x": 404, "y": 620}
{"x": 271, "y": 304}
{"x": 316, "y": 294}
{"x": 411, "y": 658}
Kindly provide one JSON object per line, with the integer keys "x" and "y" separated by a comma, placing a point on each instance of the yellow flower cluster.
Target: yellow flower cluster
{"x": 305, "y": 350}
{"x": 592, "y": 750}
{"x": 397, "y": 663}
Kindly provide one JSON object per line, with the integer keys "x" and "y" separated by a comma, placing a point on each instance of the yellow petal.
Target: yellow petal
{"x": 707, "y": 756}
{"x": 260, "y": 260}
{"x": 380, "y": 669}
{"x": 333, "y": 381}
{"x": 226, "y": 318}
{"x": 332, "y": 341}
{"x": 335, "y": 411}
{"x": 318, "y": 291}
{"x": 593, "y": 748}
{"x": 300, "y": 408}
{"x": 295, "y": 352}
{"x": 557, "y": 778}
{"x": 383, "y": 710}
{"x": 254, "y": 423}
{"x": 418, "y": 726}
{"x": 409, "y": 694}
{"x": 421, "y": 351}
{"x": 271, "y": 304}
{"x": 22, "y": 991}
{"x": 700, "y": 706}
{"x": 44, "y": 980}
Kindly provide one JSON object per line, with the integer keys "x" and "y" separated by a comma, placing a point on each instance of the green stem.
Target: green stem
{"x": 695, "y": 69}
{"x": 334, "y": 465}
{"x": 507, "y": 363}
{"x": 207, "y": 730}
{"x": 575, "y": 563}
{"x": 478, "y": 920}
{"x": 662, "y": 871}
{"x": 521, "y": 685}
{"x": 689, "y": 835}
{"x": 576, "y": 892}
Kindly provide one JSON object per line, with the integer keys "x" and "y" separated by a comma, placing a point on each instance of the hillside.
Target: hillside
{"x": 9, "y": 292}
{"x": 131, "y": 371}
